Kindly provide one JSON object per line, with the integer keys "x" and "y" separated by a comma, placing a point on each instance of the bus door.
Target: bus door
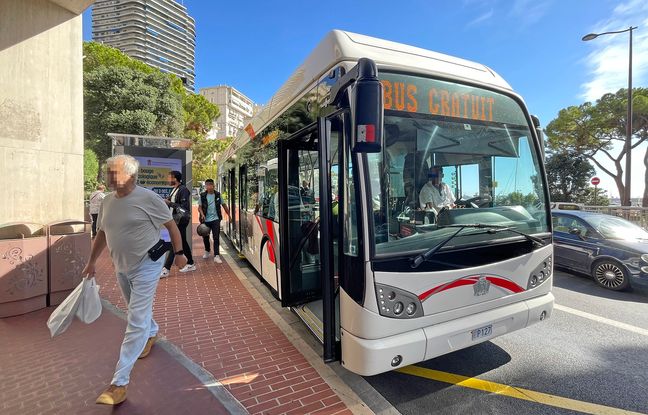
{"x": 309, "y": 232}
{"x": 244, "y": 230}
{"x": 233, "y": 223}
{"x": 299, "y": 219}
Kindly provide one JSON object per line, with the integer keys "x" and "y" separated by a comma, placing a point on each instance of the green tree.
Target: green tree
{"x": 199, "y": 115}
{"x": 204, "y": 156}
{"x": 516, "y": 199}
{"x": 568, "y": 175}
{"x": 120, "y": 99}
{"x": 96, "y": 55}
{"x": 588, "y": 198}
{"x": 593, "y": 129}
{"x": 90, "y": 170}
{"x": 125, "y": 95}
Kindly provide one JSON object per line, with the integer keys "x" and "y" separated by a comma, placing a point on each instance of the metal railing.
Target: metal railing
{"x": 636, "y": 215}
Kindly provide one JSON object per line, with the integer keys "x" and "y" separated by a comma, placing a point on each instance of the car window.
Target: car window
{"x": 565, "y": 223}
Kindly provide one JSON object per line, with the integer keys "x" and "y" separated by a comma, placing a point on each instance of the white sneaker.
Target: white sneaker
{"x": 206, "y": 255}
{"x": 188, "y": 268}
{"x": 217, "y": 259}
{"x": 165, "y": 273}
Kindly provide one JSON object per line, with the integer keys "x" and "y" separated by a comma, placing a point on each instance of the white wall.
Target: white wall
{"x": 41, "y": 110}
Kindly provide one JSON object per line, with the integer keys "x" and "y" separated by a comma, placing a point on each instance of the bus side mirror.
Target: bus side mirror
{"x": 367, "y": 109}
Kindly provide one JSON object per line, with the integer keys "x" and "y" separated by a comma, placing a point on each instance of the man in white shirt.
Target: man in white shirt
{"x": 95, "y": 202}
{"x": 436, "y": 194}
{"x": 129, "y": 223}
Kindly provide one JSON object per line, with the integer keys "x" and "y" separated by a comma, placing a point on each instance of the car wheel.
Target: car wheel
{"x": 611, "y": 275}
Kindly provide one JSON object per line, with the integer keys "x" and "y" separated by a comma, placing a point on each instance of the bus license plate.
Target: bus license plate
{"x": 482, "y": 332}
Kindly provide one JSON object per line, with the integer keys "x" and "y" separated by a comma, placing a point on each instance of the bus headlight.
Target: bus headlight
{"x": 411, "y": 309}
{"x": 398, "y": 308}
{"x": 392, "y": 302}
{"x": 644, "y": 258}
{"x": 540, "y": 274}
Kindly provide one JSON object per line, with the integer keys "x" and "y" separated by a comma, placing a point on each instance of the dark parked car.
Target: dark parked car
{"x": 610, "y": 249}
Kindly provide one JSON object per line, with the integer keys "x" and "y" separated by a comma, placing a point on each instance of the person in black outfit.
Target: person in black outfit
{"x": 179, "y": 199}
{"x": 211, "y": 213}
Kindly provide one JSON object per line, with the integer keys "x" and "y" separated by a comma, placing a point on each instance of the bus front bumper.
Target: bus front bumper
{"x": 371, "y": 357}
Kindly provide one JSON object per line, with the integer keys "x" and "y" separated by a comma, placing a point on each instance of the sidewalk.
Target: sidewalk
{"x": 209, "y": 315}
{"x": 65, "y": 375}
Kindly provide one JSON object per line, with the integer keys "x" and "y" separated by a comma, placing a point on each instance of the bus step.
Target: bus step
{"x": 312, "y": 321}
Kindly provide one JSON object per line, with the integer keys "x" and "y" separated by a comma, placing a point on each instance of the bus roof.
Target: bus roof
{"x": 339, "y": 46}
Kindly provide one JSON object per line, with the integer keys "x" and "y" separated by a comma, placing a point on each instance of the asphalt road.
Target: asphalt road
{"x": 593, "y": 350}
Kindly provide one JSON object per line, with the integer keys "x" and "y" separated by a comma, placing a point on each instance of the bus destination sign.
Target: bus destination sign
{"x": 434, "y": 97}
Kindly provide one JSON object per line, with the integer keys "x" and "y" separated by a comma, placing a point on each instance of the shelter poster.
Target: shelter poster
{"x": 153, "y": 173}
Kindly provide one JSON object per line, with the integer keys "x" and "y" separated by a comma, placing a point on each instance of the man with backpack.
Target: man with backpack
{"x": 211, "y": 213}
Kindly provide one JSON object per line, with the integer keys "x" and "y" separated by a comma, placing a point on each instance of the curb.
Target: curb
{"x": 212, "y": 384}
{"x": 356, "y": 393}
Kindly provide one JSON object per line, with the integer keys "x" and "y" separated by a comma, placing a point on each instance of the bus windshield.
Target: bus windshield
{"x": 452, "y": 154}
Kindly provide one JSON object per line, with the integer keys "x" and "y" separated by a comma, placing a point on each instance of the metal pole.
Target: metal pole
{"x": 628, "y": 143}
{"x": 595, "y": 195}
{"x": 626, "y": 196}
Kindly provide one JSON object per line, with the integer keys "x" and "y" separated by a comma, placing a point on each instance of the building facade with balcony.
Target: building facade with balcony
{"x": 235, "y": 110}
{"x": 160, "y": 33}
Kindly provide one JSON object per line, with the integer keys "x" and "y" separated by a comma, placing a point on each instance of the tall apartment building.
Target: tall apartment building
{"x": 158, "y": 32}
{"x": 235, "y": 110}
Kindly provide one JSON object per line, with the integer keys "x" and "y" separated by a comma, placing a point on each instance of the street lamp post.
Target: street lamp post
{"x": 628, "y": 140}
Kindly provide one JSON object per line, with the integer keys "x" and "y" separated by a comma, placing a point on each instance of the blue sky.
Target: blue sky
{"x": 534, "y": 44}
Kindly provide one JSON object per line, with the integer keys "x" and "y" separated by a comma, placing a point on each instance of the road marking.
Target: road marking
{"x": 513, "y": 392}
{"x": 603, "y": 320}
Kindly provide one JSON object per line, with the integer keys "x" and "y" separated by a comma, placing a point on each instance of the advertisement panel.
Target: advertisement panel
{"x": 153, "y": 174}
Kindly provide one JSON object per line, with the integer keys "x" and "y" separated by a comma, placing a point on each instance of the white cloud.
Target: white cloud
{"x": 607, "y": 63}
{"x": 482, "y": 18}
{"x": 528, "y": 12}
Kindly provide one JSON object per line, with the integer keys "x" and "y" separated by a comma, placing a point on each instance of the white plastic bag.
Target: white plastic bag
{"x": 83, "y": 302}
{"x": 90, "y": 306}
{"x": 62, "y": 316}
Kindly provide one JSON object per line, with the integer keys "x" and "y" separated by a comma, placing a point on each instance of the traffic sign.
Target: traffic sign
{"x": 595, "y": 181}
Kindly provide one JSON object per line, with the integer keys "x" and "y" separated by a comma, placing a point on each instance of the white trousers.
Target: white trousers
{"x": 138, "y": 287}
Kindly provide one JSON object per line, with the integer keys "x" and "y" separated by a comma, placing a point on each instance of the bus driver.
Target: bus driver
{"x": 436, "y": 194}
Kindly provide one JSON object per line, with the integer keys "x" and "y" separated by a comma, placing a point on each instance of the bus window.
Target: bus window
{"x": 270, "y": 196}
{"x": 350, "y": 238}
{"x": 252, "y": 193}
{"x": 468, "y": 183}
{"x": 515, "y": 178}
{"x": 469, "y": 169}
{"x": 243, "y": 177}
{"x": 224, "y": 192}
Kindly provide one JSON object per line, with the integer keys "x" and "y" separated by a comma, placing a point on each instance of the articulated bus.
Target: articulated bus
{"x": 325, "y": 191}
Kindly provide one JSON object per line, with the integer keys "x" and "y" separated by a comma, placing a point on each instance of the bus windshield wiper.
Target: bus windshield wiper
{"x": 531, "y": 238}
{"x": 420, "y": 258}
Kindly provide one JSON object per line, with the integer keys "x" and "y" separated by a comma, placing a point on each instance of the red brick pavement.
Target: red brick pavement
{"x": 64, "y": 375}
{"x": 217, "y": 323}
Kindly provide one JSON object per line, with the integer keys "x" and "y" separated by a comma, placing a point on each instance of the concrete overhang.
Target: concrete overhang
{"x": 75, "y": 6}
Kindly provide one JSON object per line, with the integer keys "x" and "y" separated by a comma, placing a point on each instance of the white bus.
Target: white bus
{"x": 325, "y": 190}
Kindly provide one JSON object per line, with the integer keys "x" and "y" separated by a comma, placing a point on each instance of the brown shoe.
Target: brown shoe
{"x": 114, "y": 395}
{"x": 148, "y": 347}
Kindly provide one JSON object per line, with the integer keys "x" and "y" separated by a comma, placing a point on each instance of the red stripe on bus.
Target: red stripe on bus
{"x": 504, "y": 283}
{"x": 500, "y": 282}
{"x": 271, "y": 253}
{"x": 444, "y": 287}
